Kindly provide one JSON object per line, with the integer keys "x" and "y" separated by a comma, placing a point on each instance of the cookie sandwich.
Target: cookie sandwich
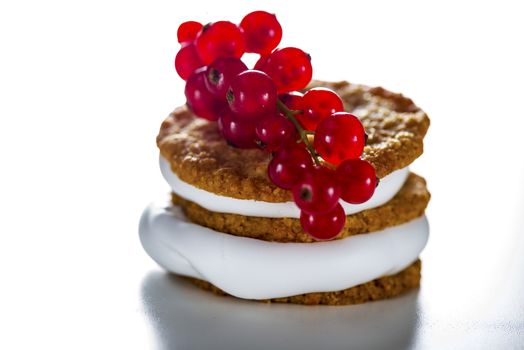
{"x": 285, "y": 189}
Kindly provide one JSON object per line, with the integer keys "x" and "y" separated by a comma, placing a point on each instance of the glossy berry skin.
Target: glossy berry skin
{"x": 187, "y": 61}
{"x": 188, "y": 31}
{"x": 318, "y": 191}
{"x": 357, "y": 179}
{"x": 219, "y": 39}
{"x": 262, "y": 32}
{"x": 274, "y": 131}
{"x": 319, "y": 104}
{"x": 221, "y": 72}
{"x": 290, "y": 68}
{"x": 199, "y": 99}
{"x": 239, "y": 134}
{"x": 261, "y": 63}
{"x": 340, "y": 137}
{"x": 252, "y": 94}
{"x": 293, "y": 100}
{"x": 325, "y": 226}
{"x": 288, "y": 165}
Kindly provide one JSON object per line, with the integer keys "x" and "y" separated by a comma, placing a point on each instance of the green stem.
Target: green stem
{"x": 290, "y": 114}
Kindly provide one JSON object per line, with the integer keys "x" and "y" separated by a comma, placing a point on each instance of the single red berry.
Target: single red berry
{"x": 357, "y": 179}
{"x": 262, "y": 32}
{"x": 188, "y": 31}
{"x": 238, "y": 133}
{"x": 318, "y": 191}
{"x": 324, "y": 226}
{"x": 219, "y": 39}
{"x": 252, "y": 94}
{"x": 275, "y": 131}
{"x": 187, "y": 61}
{"x": 199, "y": 99}
{"x": 340, "y": 137}
{"x": 293, "y": 100}
{"x": 288, "y": 165}
{"x": 221, "y": 72}
{"x": 319, "y": 104}
{"x": 290, "y": 68}
{"x": 261, "y": 63}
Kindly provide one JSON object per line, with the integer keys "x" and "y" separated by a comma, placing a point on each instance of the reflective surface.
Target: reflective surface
{"x": 196, "y": 319}
{"x": 84, "y": 88}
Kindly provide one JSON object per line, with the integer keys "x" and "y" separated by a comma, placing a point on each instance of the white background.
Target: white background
{"x": 84, "y": 87}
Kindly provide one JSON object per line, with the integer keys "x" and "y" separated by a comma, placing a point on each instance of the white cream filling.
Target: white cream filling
{"x": 254, "y": 269}
{"x": 386, "y": 190}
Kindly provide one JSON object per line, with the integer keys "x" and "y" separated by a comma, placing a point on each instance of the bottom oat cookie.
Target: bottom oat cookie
{"x": 380, "y": 288}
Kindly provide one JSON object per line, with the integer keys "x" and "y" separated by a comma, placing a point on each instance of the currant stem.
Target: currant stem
{"x": 290, "y": 114}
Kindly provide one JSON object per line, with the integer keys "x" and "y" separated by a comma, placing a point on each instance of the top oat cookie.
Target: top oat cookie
{"x": 201, "y": 157}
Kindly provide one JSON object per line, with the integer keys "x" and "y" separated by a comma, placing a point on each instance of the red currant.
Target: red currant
{"x": 238, "y": 133}
{"x": 221, "y": 72}
{"x": 293, "y": 100}
{"x": 340, "y": 137}
{"x": 262, "y": 32}
{"x": 324, "y": 226}
{"x": 288, "y": 166}
{"x": 290, "y": 68}
{"x": 199, "y": 99}
{"x": 261, "y": 63}
{"x": 219, "y": 39}
{"x": 357, "y": 180}
{"x": 252, "y": 93}
{"x": 187, "y": 60}
{"x": 188, "y": 31}
{"x": 318, "y": 104}
{"x": 274, "y": 131}
{"x": 318, "y": 191}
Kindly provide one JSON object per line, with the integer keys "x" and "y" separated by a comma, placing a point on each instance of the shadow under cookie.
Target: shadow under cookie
{"x": 183, "y": 316}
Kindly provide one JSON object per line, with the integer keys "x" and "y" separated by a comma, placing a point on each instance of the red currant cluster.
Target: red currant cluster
{"x": 316, "y": 146}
